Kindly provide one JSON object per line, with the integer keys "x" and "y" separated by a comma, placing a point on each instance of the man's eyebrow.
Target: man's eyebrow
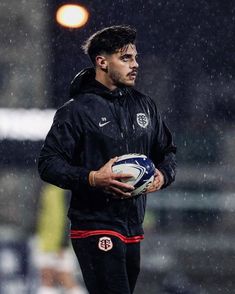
{"x": 129, "y": 55}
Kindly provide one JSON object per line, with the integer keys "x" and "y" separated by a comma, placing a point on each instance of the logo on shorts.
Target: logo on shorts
{"x": 105, "y": 244}
{"x": 142, "y": 120}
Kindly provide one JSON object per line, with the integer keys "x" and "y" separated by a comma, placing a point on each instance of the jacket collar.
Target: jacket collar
{"x": 85, "y": 82}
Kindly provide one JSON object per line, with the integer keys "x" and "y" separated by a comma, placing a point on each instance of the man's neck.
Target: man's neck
{"x": 102, "y": 78}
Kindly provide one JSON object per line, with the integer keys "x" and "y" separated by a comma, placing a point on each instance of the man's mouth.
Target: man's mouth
{"x": 133, "y": 74}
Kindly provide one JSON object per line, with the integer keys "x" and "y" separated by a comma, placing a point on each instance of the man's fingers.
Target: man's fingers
{"x": 155, "y": 186}
{"x": 120, "y": 192}
{"x": 157, "y": 181}
{"x": 122, "y": 176}
{"x": 122, "y": 185}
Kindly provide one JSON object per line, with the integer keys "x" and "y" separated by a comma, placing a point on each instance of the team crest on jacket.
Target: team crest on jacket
{"x": 105, "y": 244}
{"x": 142, "y": 120}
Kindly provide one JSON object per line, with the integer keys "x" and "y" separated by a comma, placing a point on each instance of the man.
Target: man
{"x": 106, "y": 118}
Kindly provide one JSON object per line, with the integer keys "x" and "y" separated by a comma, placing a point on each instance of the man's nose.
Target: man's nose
{"x": 134, "y": 64}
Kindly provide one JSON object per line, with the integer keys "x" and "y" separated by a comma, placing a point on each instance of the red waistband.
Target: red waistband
{"x": 77, "y": 234}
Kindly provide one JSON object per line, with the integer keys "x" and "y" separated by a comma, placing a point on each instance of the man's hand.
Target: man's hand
{"x": 104, "y": 177}
{"x": 157, "y": 183}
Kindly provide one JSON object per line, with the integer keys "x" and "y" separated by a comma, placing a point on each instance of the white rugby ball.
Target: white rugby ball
{"x": 140, "y": 166}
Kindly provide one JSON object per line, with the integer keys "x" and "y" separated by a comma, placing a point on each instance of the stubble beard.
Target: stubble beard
{"x": 119, "y": 80}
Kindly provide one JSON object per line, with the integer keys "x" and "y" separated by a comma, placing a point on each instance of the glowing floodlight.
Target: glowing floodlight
{"x": 72, "y": 16}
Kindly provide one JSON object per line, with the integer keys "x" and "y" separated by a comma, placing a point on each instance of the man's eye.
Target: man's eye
{"x": 125, "y": 58}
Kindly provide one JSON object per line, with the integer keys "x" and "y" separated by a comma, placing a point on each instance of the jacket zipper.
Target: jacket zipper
{"x": 123, "y": 124}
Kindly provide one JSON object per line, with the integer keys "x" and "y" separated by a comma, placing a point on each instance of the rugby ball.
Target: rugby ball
{"x": 140, "y": 166}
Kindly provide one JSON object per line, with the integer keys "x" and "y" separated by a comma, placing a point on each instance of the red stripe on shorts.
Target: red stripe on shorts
{"x": 77, "y": 234}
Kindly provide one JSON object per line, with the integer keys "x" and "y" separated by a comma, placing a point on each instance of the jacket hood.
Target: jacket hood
{"x": 85, "y": 82}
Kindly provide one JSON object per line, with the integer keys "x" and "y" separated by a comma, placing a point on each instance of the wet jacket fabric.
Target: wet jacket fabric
{"x": 94, "y": 126}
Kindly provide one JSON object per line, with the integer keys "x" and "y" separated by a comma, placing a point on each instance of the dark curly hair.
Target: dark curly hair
{"x": 109, "y": 40}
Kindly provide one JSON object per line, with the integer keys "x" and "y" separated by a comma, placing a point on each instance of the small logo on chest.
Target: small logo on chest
{"x": 142, "y": 120}
{"x": 105, "y": 244}
{"x": 103, "y": 122}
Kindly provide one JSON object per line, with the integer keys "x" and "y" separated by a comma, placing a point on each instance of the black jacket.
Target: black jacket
{"x": 94, "y": 126}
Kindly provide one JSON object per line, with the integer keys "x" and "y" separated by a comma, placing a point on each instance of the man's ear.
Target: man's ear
{"x": 101, "y": 62}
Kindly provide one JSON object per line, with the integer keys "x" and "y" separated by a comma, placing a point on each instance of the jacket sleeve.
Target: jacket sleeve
{"x": 163, "y": 151}
{"x": 56, "y": 162}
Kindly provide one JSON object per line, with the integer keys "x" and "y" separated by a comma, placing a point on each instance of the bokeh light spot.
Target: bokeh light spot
{"x": 72, "y": 16}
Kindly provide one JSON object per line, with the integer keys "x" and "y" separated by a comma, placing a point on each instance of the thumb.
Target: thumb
{"x": 112, "y": 160}
{"x": 109, "y": 163}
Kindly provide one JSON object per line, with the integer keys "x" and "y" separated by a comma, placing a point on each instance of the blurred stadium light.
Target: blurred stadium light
{"x": 72, "y": 16}
{"x": 25, "y": 124}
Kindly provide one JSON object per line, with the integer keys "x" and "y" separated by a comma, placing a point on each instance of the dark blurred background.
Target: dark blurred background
{"x": 187, "y": 65}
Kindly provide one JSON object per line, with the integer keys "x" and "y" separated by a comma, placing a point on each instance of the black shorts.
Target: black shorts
{"x": 108, "y": 265}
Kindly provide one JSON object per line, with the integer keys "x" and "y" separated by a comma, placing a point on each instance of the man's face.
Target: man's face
{"x": 122, "y": 66}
